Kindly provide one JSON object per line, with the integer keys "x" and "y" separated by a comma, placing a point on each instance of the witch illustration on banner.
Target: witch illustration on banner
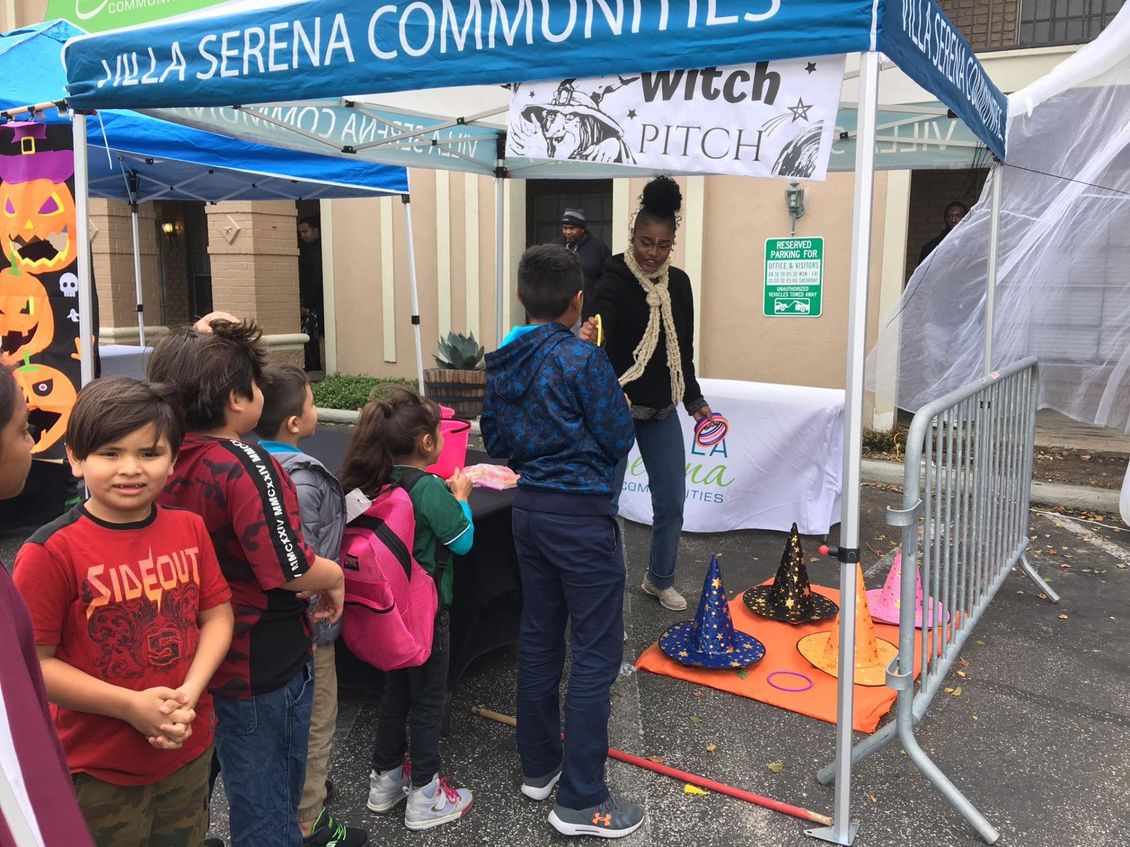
{"x": 573, "y": 126}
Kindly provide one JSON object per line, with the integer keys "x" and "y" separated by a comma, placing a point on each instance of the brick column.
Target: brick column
{"x": 254, "y": 255}
{"x": 112, "y": 249}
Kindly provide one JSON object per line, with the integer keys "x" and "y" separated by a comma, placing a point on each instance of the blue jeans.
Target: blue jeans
{"x": 261, "y": 743}
{"x": 572, "y": 570}
{"x": 664, "y": 456}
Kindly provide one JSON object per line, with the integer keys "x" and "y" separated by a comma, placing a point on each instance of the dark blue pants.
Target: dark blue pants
{"x": 572, "y": 572}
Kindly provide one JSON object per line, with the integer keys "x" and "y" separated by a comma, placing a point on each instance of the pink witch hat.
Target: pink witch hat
{"x": 885, "y": 601}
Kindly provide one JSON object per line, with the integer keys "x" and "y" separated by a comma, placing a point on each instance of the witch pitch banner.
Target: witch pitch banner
{"x": 771, "y": 119}
{"x": 39, "y": 275}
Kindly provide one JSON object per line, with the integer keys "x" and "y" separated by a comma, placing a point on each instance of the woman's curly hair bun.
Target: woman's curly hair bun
{"x": 662, "y": 197}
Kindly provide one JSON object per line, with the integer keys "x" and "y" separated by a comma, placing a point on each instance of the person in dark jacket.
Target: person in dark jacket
{"x": 554, "y": 408}
{"x": 589, "y": 249}
{"x": 646, "y": 315}
{"x": 954, "y": 214}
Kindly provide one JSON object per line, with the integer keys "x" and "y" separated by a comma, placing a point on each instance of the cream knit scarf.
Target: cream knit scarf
{"x": 659, "y": 302}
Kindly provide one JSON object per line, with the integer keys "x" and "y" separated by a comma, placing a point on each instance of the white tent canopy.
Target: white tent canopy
{"x": 1062, "y": 292}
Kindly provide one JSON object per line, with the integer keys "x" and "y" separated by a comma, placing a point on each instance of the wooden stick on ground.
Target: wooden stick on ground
{"x": 684, "y": 776}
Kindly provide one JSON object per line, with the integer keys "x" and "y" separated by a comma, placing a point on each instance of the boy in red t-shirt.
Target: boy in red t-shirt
{"x": 263, "y": 691}
{"x": 131, "y": 617}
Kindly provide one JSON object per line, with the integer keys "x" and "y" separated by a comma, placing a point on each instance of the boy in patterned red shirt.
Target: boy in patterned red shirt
{"x": 131, "y": 618}
{"x": 263, "y": 690}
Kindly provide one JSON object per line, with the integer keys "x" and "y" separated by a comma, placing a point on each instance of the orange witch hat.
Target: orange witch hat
{"x": 872, "y": 655}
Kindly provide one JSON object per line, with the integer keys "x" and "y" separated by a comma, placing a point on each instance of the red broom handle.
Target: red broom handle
{"x": 684, "y": 776}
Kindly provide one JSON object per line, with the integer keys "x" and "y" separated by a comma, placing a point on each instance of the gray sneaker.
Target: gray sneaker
{"x": 435, "y": 804}
{"x": 669, "y": 598}
{"x": 611, "y": 819}
{"x": 542, "y": 786}
{"x": 389, "y": 789}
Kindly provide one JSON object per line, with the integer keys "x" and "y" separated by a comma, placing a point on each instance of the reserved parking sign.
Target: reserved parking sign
{"x": 794, "y": 277}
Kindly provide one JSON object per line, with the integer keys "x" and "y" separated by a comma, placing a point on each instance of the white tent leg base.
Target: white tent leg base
{"x": 829, "y": 834}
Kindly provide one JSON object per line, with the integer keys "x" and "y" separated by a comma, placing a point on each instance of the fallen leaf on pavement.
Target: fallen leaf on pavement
{"x": 694, "y": 789}
{"x": 657, "y": 759}
{"x": 1063, "y": 617}
{"x": 957, "y": 691}
{"x": 775, "y": 767}
{"x": 711, "y": 747}
{"x": 695, "y": 719}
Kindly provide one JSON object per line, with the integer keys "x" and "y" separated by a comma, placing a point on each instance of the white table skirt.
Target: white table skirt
{"x": 781, "y": 461}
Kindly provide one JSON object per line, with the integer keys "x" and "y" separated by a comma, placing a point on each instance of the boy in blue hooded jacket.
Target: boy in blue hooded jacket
{"x": 555, "y": 409}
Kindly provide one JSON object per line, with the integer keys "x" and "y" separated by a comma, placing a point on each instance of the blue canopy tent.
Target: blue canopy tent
{"x": 137, "y": 158}
{"x": 321, "y": 50}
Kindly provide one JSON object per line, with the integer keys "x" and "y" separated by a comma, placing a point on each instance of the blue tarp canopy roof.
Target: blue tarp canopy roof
{"x": 175, "y": 162}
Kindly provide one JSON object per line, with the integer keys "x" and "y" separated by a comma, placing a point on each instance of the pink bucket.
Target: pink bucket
{"x": 455, "y": 435}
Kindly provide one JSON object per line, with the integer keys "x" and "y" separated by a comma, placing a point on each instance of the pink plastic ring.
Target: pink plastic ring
{"x": 801, "y": 676}
{"x": 712, "y": 430}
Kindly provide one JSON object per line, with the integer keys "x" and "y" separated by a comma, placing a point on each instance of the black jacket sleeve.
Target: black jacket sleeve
{"x": 692, "y": 397}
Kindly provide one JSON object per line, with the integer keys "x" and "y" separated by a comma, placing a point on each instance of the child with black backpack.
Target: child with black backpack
{"x": 393, "y": 443}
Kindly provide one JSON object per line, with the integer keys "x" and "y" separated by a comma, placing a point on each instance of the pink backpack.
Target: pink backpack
{"x": 390, "y": 600}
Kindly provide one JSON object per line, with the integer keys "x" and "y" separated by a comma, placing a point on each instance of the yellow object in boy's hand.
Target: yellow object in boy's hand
{"x": 599, "y": 331}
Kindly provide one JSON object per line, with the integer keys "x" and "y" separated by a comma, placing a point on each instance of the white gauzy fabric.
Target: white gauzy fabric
{"x": 1063, "y": 284}
{"x": 781, "y": 461}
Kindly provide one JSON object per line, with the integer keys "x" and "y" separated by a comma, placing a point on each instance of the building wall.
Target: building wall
{"x": 988, "y": 24}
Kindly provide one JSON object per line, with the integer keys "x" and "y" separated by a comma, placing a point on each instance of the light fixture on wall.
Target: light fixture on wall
{"x": 172, "y": 229}
{"x": 794, "y": 202}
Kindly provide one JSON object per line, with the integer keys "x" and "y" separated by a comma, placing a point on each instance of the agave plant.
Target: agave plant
{"x": 460, "y": 352}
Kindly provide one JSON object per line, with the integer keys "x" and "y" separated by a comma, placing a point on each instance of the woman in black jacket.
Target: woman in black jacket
{"x": 646, "y": 312}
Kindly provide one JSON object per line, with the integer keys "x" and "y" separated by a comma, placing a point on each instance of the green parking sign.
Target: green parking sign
{"x": 794, "y": 277}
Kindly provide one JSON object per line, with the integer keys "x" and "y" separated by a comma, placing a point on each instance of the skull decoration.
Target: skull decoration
{"x": 68, "y": 285}
{"x": 27, "y": 324}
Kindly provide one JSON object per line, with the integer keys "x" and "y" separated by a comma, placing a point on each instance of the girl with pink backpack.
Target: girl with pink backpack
{"x": 393, "y": 443}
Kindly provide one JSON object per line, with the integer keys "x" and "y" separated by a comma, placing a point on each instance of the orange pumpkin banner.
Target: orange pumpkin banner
{"x": 39, "y": 307}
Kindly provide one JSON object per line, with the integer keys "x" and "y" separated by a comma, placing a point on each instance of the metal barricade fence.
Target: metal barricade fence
{"x": 964, "y": 521}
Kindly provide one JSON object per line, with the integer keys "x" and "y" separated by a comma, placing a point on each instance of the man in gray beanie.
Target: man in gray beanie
{"x": 589, "y": 249}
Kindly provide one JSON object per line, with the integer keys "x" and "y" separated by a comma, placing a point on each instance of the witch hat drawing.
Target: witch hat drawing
{"x": 872, "y": 655}
{"x": 790, "y": 598}
{"x": 710, "y": 640}
{"x": 885, "y": 602}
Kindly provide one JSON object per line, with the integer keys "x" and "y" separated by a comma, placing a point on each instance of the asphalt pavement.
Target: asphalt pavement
{"x": 1037, "y": 738}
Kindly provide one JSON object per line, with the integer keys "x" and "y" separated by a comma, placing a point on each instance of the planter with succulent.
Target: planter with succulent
{"x": 460, "y": 380}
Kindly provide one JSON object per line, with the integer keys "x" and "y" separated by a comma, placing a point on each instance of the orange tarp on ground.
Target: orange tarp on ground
{"x": 780, "y": 639}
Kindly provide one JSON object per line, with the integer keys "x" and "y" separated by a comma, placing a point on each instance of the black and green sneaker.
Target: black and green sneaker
{"x": 611, "y": 819}
{"x": 329, "y": 833}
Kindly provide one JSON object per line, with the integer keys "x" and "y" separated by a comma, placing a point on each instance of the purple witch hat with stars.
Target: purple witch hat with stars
{"x": 710, "y": 640}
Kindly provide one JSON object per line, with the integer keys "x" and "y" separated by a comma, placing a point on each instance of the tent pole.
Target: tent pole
{"x": 82, "y": 247}
{"x": 499, "y": 240}
{"x": 843, "y": 829}
{"x": 406, "y": 200}
{"x": 137, "y": 274}
{"x": 991, "y": 280}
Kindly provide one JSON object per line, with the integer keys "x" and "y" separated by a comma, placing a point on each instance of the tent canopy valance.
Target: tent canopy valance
{"x": 251, "y": 53}
{"x": 173, "y": 162}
